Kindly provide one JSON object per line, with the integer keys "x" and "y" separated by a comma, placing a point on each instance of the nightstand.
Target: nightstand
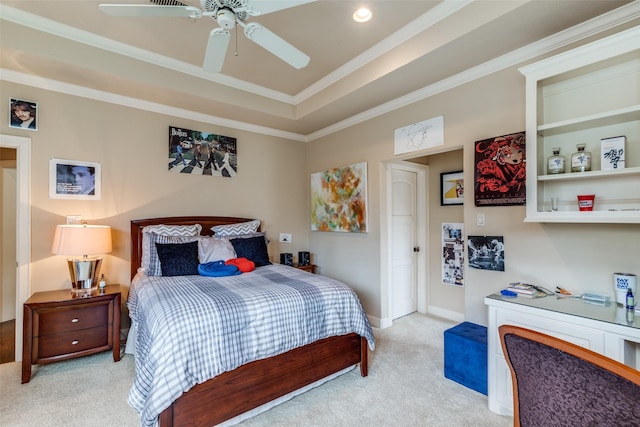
{"x": 311, "y": 268}
{"x": 60, "y": 325}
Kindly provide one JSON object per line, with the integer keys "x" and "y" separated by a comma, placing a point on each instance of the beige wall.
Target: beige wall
{"x": 132, "y": 147}
{"x": 578, "y": 256}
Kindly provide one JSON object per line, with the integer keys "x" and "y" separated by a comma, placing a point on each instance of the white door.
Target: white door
{"x": 403, "y": 243}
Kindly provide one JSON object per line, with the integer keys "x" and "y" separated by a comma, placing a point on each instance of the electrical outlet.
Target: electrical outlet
{"x": 285, "y": 237}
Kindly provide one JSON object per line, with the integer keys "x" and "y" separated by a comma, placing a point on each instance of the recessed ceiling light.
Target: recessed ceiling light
{"x": 362, "y": 15}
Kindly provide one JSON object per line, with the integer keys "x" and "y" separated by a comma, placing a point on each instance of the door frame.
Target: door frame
{"x": 22, "y": 145}
{"x": 386, "y": 190}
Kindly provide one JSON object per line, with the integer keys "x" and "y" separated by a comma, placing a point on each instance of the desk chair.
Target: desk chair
{"x": 557, "y": 383}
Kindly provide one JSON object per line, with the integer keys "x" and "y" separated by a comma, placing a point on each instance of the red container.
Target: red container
{"x": 585, "y": 202}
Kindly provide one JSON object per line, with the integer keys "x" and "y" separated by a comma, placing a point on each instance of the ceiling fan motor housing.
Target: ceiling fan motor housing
{"x": 226, "y": 19}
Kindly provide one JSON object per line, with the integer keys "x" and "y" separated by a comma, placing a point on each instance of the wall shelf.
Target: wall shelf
{"x": 583, "y": 96}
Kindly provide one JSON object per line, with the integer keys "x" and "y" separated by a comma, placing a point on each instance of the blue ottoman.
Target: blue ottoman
{"x": 465, "y": 355}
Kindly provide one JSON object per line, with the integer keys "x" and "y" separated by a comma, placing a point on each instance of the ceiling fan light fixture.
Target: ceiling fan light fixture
{"x": 362, "y": 15}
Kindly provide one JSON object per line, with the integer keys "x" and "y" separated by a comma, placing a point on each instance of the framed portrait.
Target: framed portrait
{"x": 72, "y": 179}
{"x": 452, "y": 188}
{"x": 23, "y": 114}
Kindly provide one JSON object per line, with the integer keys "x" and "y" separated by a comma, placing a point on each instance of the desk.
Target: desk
{"x": 601, "y": 328}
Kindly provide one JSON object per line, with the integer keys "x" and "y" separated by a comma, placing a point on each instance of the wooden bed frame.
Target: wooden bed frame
{"x": 254, "y": 384}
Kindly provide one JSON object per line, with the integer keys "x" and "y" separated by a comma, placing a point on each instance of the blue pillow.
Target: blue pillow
{"x": 178, "y": 259}
{"x": 252, "y": 248}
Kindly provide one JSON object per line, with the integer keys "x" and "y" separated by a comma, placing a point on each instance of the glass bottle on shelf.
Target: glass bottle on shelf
{"x": 555, "y": 163}
{"x": 581, "y": 160}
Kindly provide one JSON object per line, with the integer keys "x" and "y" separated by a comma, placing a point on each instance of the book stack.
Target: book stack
{"x": 525, "y": 290}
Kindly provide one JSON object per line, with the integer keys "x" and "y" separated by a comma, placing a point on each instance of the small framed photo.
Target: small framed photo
{"x": 72, "y": 179}
{"x": 23, "y": 114}
{"x": 451, "y": 188}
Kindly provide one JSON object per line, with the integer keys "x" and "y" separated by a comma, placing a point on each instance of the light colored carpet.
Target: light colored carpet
{"x": 405, "y": 387}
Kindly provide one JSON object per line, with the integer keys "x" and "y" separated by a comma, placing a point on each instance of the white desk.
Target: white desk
{"x": 603, "y": 329}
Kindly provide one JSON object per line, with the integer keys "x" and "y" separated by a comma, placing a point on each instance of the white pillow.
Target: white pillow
{"x": 212, "y": 249}
{"x": 236, "y": 229}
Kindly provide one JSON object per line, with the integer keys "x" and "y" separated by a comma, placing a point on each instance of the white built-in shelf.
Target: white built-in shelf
{"x": 571, "y": 176}
{"x": 621, "y": 115}
{"x": 585, "y": 95}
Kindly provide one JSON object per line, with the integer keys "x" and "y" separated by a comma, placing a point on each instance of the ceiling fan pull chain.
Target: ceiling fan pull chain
{"x": 236, "y": 53}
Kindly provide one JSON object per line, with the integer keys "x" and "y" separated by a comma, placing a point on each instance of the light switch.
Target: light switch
{"x": 480, "y": 220}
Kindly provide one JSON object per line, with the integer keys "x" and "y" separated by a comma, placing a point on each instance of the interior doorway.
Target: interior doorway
{"x": 22, "y": 147}
{"x": 8, "y": 190}
{"x": 404, "y": 249}
{"x": 403, "y": 230}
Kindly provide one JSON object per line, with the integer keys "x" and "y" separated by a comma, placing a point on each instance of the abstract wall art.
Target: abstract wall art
{"x": 339, "y": 199}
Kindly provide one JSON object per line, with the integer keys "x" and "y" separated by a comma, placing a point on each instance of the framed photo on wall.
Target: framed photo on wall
{"x": 23, "y": 114}
{"x": 72, "y": 179}
{"x": 452, "y": 188}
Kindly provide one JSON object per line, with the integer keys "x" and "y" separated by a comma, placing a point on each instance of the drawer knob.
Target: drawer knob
{"x": 75, "y": 320}
{"x": 74, "y": 342}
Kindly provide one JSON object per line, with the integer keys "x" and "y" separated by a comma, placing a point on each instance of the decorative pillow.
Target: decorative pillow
{"x": 149, "y": 247}
{"x": 178, "y": 259}
{"x": 214, "y": 249}
{"x": 174, "y": 230}
{"x": 152, "y": 265}
{"x": 236, "y": 229}
{"x": 252, "y": 248}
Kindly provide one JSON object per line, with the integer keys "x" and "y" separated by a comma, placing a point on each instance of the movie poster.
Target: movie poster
{"x": 500, "y": 171}
{"x": 200, "y": 153}
{"x": 453, "y": 254}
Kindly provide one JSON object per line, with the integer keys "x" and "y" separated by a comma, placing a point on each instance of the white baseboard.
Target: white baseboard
{"x": 445, "y": 314}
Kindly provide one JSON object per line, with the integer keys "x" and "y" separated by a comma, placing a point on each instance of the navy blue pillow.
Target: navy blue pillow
{"x": 253, "y": 249}
{"x": 178, "y": 259}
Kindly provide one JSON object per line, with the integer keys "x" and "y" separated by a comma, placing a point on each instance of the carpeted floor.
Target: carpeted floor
{"x": 405, "y": 387}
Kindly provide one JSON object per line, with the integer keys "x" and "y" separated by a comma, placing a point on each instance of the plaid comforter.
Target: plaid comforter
{"x": 192, "y": 328}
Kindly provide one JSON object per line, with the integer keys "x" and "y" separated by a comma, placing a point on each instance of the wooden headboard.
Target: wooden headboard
{"x": 206, "y": 221}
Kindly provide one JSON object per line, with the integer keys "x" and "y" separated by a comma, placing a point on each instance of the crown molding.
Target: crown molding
{"x": 544, "y": 46}
{"x": 154, "y": 107}
{"x": 49, "y": 26}
{"x": 415, "y": 27}
{"x": 549, "y": 44}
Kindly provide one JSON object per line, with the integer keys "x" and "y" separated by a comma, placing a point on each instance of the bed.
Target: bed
{"x": 229, "y": 394}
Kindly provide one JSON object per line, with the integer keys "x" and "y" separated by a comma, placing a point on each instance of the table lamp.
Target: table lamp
{"x": 80, "y": 241}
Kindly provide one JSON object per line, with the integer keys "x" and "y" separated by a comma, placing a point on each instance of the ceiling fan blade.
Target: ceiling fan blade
{"x": 216, "y": 50}
{"x": 151, "y": 10}
{"x": 276, "y": 45}
{"x": 262, "y": 7}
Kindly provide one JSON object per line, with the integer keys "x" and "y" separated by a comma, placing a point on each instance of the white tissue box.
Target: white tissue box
{"x": 612, "y": 153}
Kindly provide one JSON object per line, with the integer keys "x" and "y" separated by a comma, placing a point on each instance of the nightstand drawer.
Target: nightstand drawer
{"x": 72, "y": 319}
{"x": 72, "y": 342}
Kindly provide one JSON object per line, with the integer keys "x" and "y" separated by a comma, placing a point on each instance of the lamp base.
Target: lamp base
{"x": 85, "y": 274}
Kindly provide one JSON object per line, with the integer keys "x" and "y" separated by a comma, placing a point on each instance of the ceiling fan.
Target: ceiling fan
{"x": 227, "y": 13}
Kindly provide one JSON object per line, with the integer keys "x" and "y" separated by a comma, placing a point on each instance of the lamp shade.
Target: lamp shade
{"x": 81, "y": 240}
